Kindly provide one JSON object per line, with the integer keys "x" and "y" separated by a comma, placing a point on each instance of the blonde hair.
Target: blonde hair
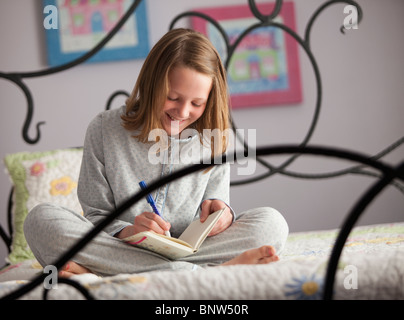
{"x": 178, "y": 48}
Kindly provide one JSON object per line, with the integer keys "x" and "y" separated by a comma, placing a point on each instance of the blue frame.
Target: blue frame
{"x": 56, "y": 57}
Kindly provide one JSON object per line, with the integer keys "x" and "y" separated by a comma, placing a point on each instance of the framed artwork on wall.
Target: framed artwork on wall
{"x": 81, "y": 24}
{"x": 264, "y": 69}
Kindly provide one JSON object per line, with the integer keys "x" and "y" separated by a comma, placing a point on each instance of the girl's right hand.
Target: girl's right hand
{"x": 146, "y": 221}
{"x": 149, "y": 221}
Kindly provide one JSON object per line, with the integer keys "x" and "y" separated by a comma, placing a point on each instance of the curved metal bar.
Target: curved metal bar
{"x": 279, "y": 169}
{"x": 230, "y": 51}
{"x": 10, "y": 214}
{"x": 88, "y": 54}
{"x": 17, "y": 77}
{"x": 287, "y": 149}
{"x": 113, "y": 96}
{"x": 321, "y": 8}
{"x": 326, "y": 175}
{"x": 306, "y": 46}
{"x": 263, "y": 17}
{"x": 388, "y": 173}
{"x": 354, "y": 169}
{"x": 265, "y": 21}
{"x": 5, "y": 238}
{"x": 347, "y": 227}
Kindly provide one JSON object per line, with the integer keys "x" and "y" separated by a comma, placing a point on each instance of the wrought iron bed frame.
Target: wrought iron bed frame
{"x": 386, "y": 175}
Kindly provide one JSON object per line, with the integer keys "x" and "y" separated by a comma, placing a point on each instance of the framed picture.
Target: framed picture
{"x": 264, "y": 69}
{"x": 81, "y": 24}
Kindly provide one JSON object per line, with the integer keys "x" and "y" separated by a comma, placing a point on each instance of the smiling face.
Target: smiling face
{"x": 186, "y": 99}
{"x": 182, "y": 83}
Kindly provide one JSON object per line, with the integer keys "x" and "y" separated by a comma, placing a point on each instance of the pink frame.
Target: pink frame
{"x": 290, "y": 91}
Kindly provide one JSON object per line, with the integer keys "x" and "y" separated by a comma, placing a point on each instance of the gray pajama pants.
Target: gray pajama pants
{"x": 51, "y": 230}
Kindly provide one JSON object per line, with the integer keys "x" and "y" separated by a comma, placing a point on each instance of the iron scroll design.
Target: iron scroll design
{"x": 17, "y": 77}
{"x": 389, "y": 173}
{"x": 386, "y": 173}
{"x": 268, "y": 21}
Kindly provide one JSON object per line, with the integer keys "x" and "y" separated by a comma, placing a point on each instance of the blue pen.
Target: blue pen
{"x": 150, "y": 200}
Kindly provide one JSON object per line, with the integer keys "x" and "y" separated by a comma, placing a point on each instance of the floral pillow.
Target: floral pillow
{"x": 39, "y": 177}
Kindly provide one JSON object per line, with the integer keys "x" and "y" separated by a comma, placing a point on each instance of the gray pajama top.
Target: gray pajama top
{"x": 114, "y": 162}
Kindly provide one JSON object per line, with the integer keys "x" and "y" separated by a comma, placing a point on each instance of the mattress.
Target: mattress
{"x": 370, "y": 268}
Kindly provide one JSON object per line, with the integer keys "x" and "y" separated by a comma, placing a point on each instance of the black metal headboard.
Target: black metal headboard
{"x": 386, "y": 174}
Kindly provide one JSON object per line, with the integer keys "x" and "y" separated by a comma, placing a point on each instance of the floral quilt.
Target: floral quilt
{"x": 370, "y": 268}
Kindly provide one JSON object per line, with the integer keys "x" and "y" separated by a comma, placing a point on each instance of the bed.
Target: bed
{"x": 350, "y": 262}
{"x": 370, "y": 268}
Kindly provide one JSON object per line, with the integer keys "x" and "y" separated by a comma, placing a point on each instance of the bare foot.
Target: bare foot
{"x": 261, "y": 255}
{"x": 72, "y": 268}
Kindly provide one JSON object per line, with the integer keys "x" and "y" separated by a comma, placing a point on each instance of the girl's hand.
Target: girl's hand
{"x": 147, "y": 221}
{"x": 210, "y": 206}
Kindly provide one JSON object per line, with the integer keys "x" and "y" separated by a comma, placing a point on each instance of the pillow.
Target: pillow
{"x": 39, "y": 177}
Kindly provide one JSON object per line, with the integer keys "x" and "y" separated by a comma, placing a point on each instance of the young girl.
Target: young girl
{"x": 182, "y": 85}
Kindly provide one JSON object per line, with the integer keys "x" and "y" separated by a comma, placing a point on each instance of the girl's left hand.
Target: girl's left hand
{"x": 210, "y": 206}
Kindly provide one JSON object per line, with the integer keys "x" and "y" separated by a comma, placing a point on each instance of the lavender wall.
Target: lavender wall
{"x": 362, "y": 73}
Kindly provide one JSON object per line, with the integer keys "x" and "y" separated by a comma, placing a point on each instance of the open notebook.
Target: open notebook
{"x": 173, "y": 248}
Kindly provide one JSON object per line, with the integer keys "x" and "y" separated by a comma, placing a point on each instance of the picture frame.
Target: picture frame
{"x": 269, "y": 75}
{"x": 81, "y": 24}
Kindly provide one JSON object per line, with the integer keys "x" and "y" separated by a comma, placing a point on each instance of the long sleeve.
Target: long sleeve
{"x": 218, "y": 186}
{"x": 94, "y": 191}
{"x": 219, "y": 183}
{"x": 114, "y": 163}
